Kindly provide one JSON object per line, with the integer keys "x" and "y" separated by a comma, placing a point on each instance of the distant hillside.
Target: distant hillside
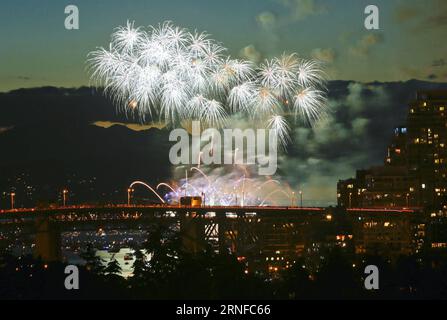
{"x": 47, "y": 135}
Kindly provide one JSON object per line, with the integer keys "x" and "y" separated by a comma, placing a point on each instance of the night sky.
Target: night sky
{"x": 37, "y": 50}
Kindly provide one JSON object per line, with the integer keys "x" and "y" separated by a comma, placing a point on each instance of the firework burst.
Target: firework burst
{"x": 174, "y": 74}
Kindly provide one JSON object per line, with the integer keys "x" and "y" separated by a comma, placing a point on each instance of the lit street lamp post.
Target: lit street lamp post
{"x": 129, "y": 196}
{"x": 64, "y": 197}
{"x": 12, "y": 200}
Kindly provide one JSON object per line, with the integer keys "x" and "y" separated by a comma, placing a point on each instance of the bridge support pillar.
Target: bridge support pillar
{"x": 222, "y": 235}
{"x": 48, "y": 241}
{"x": 193, "y": 234}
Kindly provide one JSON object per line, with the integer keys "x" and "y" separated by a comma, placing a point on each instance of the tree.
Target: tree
{"x": 113, "y": 267}
{"x": 93, "y": 262}
{"x": 164, "y": 247}
{"x": 139, "y": 266}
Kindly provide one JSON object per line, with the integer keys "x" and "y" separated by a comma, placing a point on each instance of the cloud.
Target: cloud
{"x": 326, "y": 55}
{"x": 439, "y": 63}
{"x": 437, "y": 15}
{"x": 365, "y": 44}
{"x": 436, "y": 70}
{"x": 437, "y": 21}
{"x": 359, "y": 126}
{"x": 296, "y": 10}
{"x": 131, "y": 126}
{"x": 267, "y": 20}
{"x": 422, "y": 15}
{"x": 302, "y": 9}
{"x": 405, "y": 13}
{"x": 353, "y": 137}
{"x": 251, "y": 53}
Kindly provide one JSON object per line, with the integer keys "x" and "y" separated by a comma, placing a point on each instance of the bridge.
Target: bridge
{"x": 246, "y": 230}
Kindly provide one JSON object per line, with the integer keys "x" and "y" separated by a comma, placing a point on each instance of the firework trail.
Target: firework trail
{"x": 174, "y": 74}
{"x": 229, "y": 187}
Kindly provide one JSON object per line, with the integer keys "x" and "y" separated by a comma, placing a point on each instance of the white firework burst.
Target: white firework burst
{"x": 286, "y": 69}
{"x": 196, "y": 106}
{"x": 169, "y": 72}
{"x": 126, "y": 38}
{"x": 307, "y": 103}
{"x": 310, "y": 73}
{"x": 213, "y": 115}
{"x": 240, "y": 97}
{"x": 265, "y": 103}
{"x": 280, "y": 128}
{"x": 268, "y": 75}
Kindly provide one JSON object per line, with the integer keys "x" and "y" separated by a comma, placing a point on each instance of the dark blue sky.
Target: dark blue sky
{"x": 37, "y": 50}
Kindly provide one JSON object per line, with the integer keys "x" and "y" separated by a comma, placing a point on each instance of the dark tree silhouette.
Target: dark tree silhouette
{"x": 93, "y": 262}
{"x": 113, "y": 267}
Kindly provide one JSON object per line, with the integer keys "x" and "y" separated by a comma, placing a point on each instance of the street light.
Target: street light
{"x": 64, "y": 196}
{"x": 293, "y": 198}
{"x": 12, "y": 200}
{"x": 129, "y": 195}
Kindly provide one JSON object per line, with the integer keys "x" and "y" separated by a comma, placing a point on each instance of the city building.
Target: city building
{"x": 382, "y": 233}
{"x": 414, "y": 173}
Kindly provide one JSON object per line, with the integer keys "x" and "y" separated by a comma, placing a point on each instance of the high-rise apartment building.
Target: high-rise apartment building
{"x": 414, "y": 173}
